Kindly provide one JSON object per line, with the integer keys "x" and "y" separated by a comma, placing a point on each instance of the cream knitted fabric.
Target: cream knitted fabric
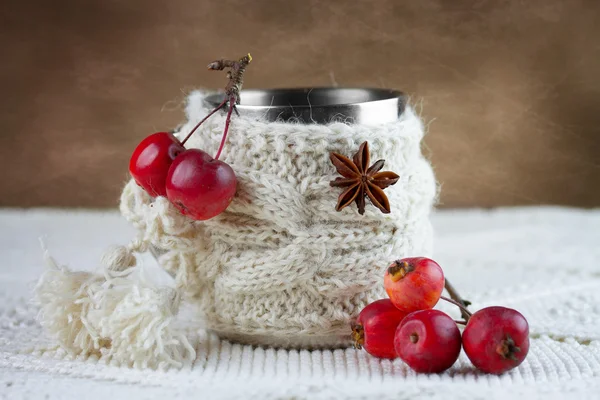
{"x": 281, "y": 267}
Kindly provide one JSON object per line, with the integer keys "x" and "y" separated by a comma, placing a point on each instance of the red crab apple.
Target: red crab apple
{"x": 151, "y": 159}
{"x": 428, "y": 341}
{"x": 496, "y": 339}
{"x": 375, "y": 327}
{"x": 414, "y": 283}
{"x": 200, "y": 186}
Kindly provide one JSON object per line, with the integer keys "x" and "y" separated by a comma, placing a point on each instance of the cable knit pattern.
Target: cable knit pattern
{"x": 281, "y": 266}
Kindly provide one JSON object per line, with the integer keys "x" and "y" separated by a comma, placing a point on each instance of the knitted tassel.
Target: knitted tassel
{"x": 64, "y": 300}
{"x": 121, "y": 314}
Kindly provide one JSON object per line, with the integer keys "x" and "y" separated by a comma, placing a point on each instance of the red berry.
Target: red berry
{"x": 496, "y": 339}
{"x": 414, "y": 283}
{"x": 428, "y": 341}
{"x": 200, "y": 186}
{"x": 375, "y": 328}
{"x": 151, "y": 159}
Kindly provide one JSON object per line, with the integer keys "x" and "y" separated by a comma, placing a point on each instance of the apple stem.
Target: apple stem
{"x": 204, "y": 119}
{"x": 466, "y": 313}
{"x": 457, "y": 297}
{"x": 227, "y": 121}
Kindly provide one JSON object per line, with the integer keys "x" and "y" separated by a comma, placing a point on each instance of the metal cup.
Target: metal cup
{"x": 367, "y": 106}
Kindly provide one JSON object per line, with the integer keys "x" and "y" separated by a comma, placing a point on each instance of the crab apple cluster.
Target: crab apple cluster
{"x": 198, "y": 185}
{"x": 495, "y": 339}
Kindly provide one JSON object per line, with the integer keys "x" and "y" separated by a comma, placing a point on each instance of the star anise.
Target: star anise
{"x": 362, "y": 180}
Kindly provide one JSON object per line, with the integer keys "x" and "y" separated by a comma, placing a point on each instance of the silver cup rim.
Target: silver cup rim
{"x": 319, "y": 105}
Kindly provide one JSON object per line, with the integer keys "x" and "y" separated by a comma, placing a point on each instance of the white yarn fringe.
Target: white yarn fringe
{"x": 121, "y": 314}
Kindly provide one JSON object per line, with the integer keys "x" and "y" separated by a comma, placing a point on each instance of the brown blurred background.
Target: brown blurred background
{"x": 510, "y": 89}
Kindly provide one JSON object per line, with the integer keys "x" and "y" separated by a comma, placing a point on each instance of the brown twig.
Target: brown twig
{"x": 466, "y": 313}
{"x": 235, "y": 74}
{"x": 232, "y": 89}
{"x": 457, "y": 298}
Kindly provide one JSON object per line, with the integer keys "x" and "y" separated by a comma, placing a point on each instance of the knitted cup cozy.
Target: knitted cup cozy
{"x": 280, "y": 267}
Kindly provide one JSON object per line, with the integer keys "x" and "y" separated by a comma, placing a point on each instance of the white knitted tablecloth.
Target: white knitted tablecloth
{"x": 544, "y": 262}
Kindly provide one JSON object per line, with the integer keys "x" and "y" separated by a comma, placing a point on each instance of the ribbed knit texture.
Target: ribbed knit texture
{"x": 541, "y": 261}
{"x": 281, "y": 266}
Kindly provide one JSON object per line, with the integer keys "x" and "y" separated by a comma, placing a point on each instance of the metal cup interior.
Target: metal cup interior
{"x": 368, "y": 106}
